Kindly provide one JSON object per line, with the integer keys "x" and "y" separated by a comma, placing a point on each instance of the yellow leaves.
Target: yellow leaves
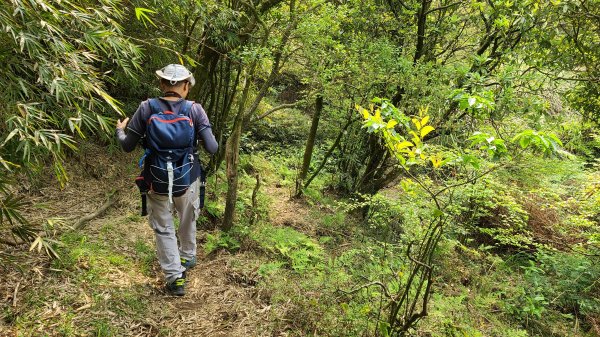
{"x": 377, "y": 118}
{"x": 426, "y": 130}
{"x": 417, "y": 123}
{"x": 436, "y": 160}
{"x": 403, "y": 145}
{"x": 422, "y": 127}
{"x": 365, "y": 114}
{"x": 420, "y": 123}
{"x": 416, "y": 139}
{"x": 402, "y": 135}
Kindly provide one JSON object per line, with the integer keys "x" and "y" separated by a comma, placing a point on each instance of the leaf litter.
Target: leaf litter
{"x": 91, "y": 296}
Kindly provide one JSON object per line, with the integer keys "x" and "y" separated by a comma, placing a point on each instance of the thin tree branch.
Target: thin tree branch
{"x": 11, "y": 242}
{"x": 441, "y": 8}
{"x": 370, "y": 284}
{"x": 277, "y": 108}
{"x": 109, "y": 202}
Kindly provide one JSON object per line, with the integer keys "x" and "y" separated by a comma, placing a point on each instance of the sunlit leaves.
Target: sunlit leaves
{"x": 478, "y": 104}
{"x": 403, "y": 136}
{"x": 56, "y": 61}
{"x": 141, "y": 15}
{"x": 391, "y": 123}
{"x": 495, "y": 147}
{"x": 547, "y": 144}
{"x": 426, "y": 130}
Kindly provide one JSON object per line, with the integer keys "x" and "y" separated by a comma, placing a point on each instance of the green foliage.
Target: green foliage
{"x": 495, "y": 148}
{"x": 214, "y": 209}
{"x": 55, "y": 64}
{"x": 140, "y": 14}
{"x": 270, "y": 268}
{"x": 286, "y": 128}
{"x": 581, "y": 139}
{"x": 103, "y": 328}
{"x": 569, "y": 281}
{"x": 555, "y": 281}
{"x": 91, "y": 283}
{"x": 489, "y": 215}
{"x": 221, "y": 240}
{"x": 383, "y": 121}
{"x": 297, "y": 251}
{"x": 12, "y": 222}
{"x": 146, "y": 254}
{"x": 529, "y": 302}
{"x": 492, "y": 74}
{"x": 56, "y": 61}
{"x": 479, "y": 105}
{"x": 547, "y": 144}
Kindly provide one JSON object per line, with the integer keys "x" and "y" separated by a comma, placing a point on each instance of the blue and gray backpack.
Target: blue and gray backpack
{"x": 169, "y": 157}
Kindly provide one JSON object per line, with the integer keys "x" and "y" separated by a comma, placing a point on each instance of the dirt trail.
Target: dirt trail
{"x": 220, "y": 300}
{"x": 285, "y": 210}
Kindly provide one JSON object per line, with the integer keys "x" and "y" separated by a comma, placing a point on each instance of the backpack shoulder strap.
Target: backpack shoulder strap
{"x": 154, "y": 106}
{"x": 186, "y": 110}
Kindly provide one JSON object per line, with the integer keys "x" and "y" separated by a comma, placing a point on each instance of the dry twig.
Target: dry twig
{"x": 109, "y": 202}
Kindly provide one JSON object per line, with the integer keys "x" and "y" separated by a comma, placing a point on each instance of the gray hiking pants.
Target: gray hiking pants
{"x": 160, "y": 217}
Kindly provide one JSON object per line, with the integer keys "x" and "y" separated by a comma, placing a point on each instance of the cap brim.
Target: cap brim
{"x": 190, "y": 78}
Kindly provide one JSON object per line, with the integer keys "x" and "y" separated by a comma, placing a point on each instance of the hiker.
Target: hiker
{"x": 170, "y": 128}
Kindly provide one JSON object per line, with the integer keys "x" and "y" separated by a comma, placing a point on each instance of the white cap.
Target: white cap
{"x": 175, "y": 73}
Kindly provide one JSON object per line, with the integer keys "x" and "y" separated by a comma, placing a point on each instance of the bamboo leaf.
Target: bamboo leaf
{"x": 140, "y": 14}
{"x": 10, "y": 135}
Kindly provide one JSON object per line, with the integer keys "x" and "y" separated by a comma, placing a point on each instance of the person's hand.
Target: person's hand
{"x": 123, "y": 124}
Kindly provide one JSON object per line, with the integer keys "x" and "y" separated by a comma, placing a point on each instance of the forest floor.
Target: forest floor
{"x": 283, "y": 275}
{"x": 108, "y": 282}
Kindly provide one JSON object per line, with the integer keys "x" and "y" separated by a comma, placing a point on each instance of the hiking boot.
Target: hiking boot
{"x": 177, "y": 287}
{"x": 188, "y": 263}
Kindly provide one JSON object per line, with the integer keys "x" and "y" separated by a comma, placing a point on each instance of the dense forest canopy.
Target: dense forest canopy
{"x": 440, "y": 131}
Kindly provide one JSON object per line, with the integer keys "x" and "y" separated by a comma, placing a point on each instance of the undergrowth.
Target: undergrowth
{"x": 95, "y": 288}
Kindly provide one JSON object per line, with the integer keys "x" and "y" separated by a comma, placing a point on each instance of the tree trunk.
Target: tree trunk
{"x": 335, "y": 144}
{"x": 243, "y": 118}
{"x": 232, "y": 158}
{"x": 310, "y": 144}
{"x": 421, "y": 25}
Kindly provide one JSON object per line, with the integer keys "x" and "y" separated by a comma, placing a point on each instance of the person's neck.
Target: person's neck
{"x": 173, "y": 95}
